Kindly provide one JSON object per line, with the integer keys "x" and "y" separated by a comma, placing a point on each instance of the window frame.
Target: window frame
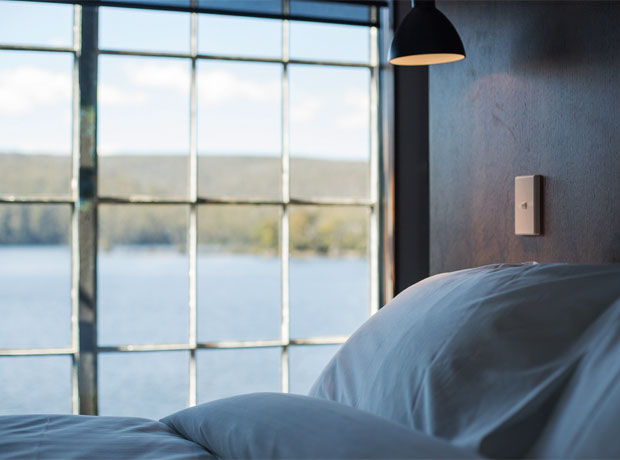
{"x": 85, "y": 200}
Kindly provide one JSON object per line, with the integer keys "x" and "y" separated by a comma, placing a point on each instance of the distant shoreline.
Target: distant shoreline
{"x": 201, "y": 251}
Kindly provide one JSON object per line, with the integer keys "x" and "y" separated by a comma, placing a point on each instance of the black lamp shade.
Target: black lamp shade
{"x": 426, "y": 37}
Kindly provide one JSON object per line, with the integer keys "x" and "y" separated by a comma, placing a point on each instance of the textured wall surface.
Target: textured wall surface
{"x": 539, "y": 93}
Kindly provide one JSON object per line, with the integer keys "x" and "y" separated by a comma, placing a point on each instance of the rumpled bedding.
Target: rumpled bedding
{"x": 491, "y": 358}
{"x": 254, "y": 426}
{"x": 285, "y": 426}
{"x": 93, "y": 437}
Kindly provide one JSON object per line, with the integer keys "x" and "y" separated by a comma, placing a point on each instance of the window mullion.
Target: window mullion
{"x": 75, "y": 261}
{"x": 86, "y": 208}
{"x": 284, "y": 216}
{"x": 373, "y": 246}
{"x": 385, "y": 170}
{"x": 192, "y": 238}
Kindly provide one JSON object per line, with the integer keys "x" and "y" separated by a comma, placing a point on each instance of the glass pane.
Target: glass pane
{"x": 329, "y": 42}
{"x": 244, "y": 6}
{"x": 239, "y": 129}
{"x": 35, "y": 276}
{"x": 148, "y": 384}
{"x": 163, "y": 3}
{"x": 328, "y": 270}
{"x": 223, "y": 373}
{"x": 143, "y": 274}
{"x": 35, "y": 385}
{"x": 143, "y": 126}
{"x": 142, "y": 30}
{"x": 36, "y": 24}
{"x": 331, "y": 10}
{"x": 306, "y": 363}
{"x": 329, "y": 137}
{"x": 238, "y": 36}
{"x": 35, "y": 123}
{"x": 238, "y": 273}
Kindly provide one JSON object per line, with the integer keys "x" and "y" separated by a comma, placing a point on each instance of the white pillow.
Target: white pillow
{"x": 586, "y": 421}
{"x": 284, "y": 426}
{"x": 477, "y": 357}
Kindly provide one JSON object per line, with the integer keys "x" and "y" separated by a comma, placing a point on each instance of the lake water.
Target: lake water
{"x": 143, "y": 296}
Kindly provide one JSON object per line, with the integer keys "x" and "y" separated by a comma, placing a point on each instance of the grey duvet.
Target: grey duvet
{"x": 258, "y": 425}
{"x": 88, "y": 437}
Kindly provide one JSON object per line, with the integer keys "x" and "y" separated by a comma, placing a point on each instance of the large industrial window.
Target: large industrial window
{"x": 190, "y": 202}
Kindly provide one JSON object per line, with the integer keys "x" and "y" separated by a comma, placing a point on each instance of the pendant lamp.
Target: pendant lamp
{"x": 425, "y": 37}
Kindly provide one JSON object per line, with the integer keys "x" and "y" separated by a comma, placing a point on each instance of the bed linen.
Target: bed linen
{"x": 586, "y": 420}
{"x": 254, "y": 426}
{"x": 286, "y": 426}
{"x": 70, "y": 437}
{"x": 479, "y": 357}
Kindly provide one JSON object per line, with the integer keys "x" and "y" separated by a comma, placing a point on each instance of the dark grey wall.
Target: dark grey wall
{"x": 539, "y": 93}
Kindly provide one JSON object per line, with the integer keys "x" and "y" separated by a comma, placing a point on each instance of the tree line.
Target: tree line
{"x": 253, "y": 229}
{"x": 327, "y": 230}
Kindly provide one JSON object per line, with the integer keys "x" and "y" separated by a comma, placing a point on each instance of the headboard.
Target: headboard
{"x": 539, "y": 93}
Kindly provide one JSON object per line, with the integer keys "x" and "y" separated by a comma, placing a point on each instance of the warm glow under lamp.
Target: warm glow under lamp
{"x": 425, "y": 37}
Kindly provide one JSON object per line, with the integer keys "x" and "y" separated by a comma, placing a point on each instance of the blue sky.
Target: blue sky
{"x": 144, "y": 102}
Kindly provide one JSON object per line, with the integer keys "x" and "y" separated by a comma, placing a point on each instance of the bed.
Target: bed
{"x": 500, "y": 361}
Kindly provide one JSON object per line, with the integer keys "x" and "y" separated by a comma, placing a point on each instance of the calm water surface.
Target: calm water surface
{"x": 143, "y": 296}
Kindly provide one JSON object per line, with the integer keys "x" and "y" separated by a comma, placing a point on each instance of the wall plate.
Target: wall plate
{"x": 527, "y": 205}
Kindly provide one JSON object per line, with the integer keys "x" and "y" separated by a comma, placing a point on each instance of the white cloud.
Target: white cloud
{"x": 214, "y": 86}
{"x": 357, "y": 106}
{"x": 114, "y": 96}
{"x": 217, "y": 86}
{"x": 170, "y": 76}
{"x": 307, "y": 109}
{"x": 25, "y": 88}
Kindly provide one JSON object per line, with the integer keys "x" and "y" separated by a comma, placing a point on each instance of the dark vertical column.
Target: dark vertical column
{"x": 411, "y": 169}
{"x": 87, "y": 213}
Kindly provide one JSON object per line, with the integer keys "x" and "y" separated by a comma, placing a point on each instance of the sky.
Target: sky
{"x": 144, "y": 102}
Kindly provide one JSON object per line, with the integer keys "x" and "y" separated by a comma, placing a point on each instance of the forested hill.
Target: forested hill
{"x": 245, "y": 228}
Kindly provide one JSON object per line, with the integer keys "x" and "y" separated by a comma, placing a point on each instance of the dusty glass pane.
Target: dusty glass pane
{"x": 239, "y": 129}
{"x": 341, "y": 43}
{"x": 238, "y": 36}
{"x": 143, "y": 136}
{"x": 223, "y": 373}
{"x": 36, "y": 24}
{"x": 329, "y": 132}
{"x": 35, "y": 385}
{"x": 35, "y": 276}
{"x": 142, "y": 274}
{"x": 149, "y": 384}
{"x": 329, "y": 277}
{"x": 143, "y": 30}
{"x": 35, "y": 123}
{"x": 238, "y": 273}
{"x": 306, "y": 363}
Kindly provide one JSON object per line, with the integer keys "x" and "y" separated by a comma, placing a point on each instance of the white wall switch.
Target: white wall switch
{"x": 527, "y": 205}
